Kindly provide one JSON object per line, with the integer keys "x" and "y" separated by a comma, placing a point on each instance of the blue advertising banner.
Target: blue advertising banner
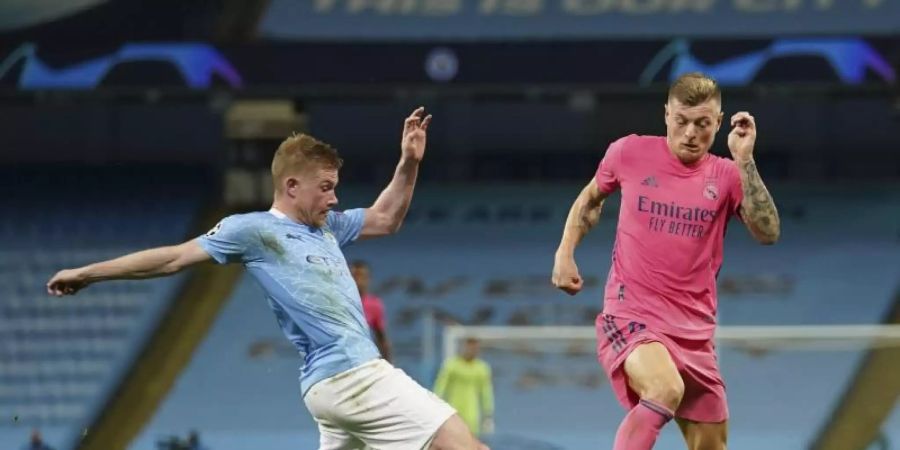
{"x": 573, "y": 19}
{"x": 198, "y": 65}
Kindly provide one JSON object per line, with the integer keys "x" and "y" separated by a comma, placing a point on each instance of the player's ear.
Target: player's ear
{"x": 666, "y": 113}
{"x": 719, "y": 121}
{"x": 291, "y": 184}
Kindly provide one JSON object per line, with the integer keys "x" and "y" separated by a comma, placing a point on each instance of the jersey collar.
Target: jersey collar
{"x": 275, "y": 212}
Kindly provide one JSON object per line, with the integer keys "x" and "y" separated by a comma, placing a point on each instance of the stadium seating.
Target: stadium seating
{"x": 60, "y": 357}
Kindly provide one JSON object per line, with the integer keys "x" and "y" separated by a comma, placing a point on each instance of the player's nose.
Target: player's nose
{"x": 689, "y": 131}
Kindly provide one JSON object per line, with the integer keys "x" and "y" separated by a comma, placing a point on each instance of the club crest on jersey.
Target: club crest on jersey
{"x": 710, "y": 191}
{"x": 329, "y": 236}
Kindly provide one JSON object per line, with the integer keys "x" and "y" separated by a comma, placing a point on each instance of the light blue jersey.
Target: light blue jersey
{"x": 307, "y": 283}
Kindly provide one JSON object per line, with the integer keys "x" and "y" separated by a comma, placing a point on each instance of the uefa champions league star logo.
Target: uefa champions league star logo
{"x": 850, "y": 59}
{"x": 197, "y": 64}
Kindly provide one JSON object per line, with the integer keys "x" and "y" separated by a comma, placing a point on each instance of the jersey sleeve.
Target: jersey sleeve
{"x": 228, "y": 241}
{"x": 346, "y": 225}
{"x": 608, "y": 176}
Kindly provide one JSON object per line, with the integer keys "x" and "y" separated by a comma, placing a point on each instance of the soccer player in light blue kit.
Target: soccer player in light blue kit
{"x": 294, "y": 252}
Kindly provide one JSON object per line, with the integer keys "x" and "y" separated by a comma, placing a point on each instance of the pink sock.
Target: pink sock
{"x": 639, "y": 429}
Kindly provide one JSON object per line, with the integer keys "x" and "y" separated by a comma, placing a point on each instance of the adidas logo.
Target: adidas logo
{"x": 649, "y": 181}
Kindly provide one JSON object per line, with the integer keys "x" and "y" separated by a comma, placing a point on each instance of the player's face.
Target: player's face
{"x": 691, "y": 130}
{"x": 313, "y": 195}
{"x": 361, "y": 277}
{"x": 471, "y": 350}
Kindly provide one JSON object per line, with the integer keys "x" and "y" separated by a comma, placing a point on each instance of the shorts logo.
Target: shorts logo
{"x": 634, "y": 327}
{"x": 615, "y": 336}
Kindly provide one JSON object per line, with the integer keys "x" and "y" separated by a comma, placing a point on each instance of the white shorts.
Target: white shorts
{"x": 375, "y": 406}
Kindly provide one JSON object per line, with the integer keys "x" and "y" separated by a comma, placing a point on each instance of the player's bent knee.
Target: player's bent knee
{"x": 664, "y": 390}
{"x": 454, "y": 435}
{"x": 652, "y": 374}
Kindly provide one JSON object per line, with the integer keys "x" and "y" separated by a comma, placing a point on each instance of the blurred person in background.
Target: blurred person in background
{"x": 36, "y": 442}
{"x": 373, "y": 307}
{"x": 465, "y": 382}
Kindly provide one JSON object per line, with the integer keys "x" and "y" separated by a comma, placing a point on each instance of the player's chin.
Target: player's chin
{"x": 690, "y": 155}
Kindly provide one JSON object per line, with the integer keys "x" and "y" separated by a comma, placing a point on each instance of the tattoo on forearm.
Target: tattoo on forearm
{"x": 583, "y": 215}
{"x": 589, "y": 217}
{"x": 758, "y": 207}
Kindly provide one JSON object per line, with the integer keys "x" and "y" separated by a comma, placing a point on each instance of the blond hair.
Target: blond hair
{"x": 299, "y": 153}
{"x": 694, "y": 88}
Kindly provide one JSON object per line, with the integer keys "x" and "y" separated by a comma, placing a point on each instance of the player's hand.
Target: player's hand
{"x": 415, "y": 127}
{"x": 742, "y": 137}
{"x": 66, "y": 282}
{"x": 565, "y": 275}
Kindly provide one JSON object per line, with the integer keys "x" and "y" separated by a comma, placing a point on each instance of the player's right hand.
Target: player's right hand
{"x": 565, "y": 275}
{"x": 66, "y": 282}
{"x": 415, "y": 132}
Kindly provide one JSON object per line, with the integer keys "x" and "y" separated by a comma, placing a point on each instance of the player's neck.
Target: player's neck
{"x": 287, "y": 212}
{"x": 688, "y": 165}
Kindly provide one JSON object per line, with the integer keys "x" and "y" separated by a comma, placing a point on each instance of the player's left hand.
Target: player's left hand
{"x": 742, "y": 137}
{"x": 412, "y": 145}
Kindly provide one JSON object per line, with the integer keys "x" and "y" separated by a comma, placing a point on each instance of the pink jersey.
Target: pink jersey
{"x": 672, "y": 222}
{"x": 373, "y": 308}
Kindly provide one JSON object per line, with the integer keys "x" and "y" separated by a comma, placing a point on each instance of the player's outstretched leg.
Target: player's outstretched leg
{"x": 704, "y": 435}
{"x": 455, "y": 435}
{"x": 654, "y": 377}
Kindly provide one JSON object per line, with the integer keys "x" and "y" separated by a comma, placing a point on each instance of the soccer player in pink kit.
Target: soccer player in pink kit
{"x": 373, "y": 308}
{"x": 655, "y": 334}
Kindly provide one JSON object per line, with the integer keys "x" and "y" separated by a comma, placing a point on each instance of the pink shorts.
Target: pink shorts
{"x": 704, "y": 391}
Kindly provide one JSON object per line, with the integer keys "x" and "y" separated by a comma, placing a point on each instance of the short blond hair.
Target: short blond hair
{"x": 302, "y": 152}
{"x": 694, "y": 88}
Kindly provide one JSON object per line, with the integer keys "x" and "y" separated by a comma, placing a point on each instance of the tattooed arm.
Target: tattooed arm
{"x": 584, "y": 214}
{"x": 757, "y": 208}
